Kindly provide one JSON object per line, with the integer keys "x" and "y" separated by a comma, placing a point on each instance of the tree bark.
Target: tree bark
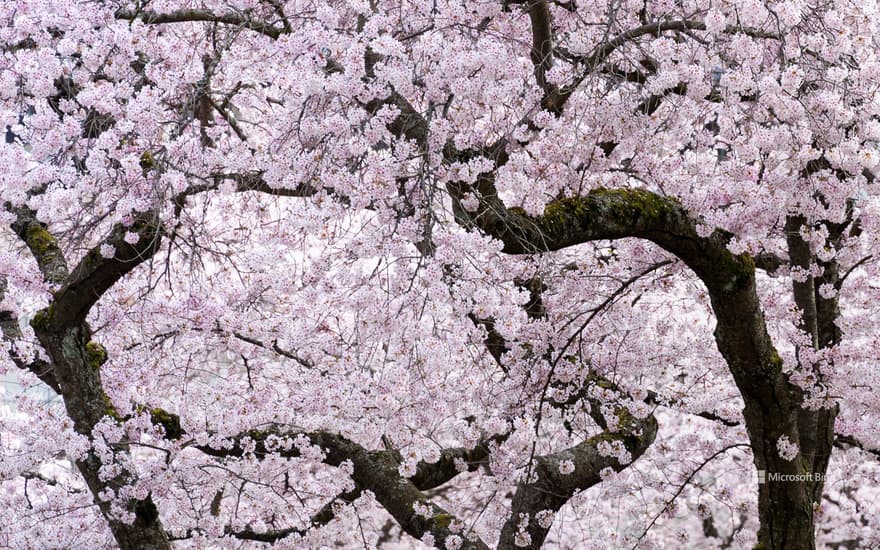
{"x": 773, "y": 405}
{"x": 74, "y": 368}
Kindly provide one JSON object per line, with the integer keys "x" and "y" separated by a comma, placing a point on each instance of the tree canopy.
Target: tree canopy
{"x": 465, "y": 275}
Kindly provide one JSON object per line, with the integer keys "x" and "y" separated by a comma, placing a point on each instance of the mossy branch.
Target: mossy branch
{"x": 610, "y": 214}
{"x": 41, "y": 243}
{"x": 616, "y": 214}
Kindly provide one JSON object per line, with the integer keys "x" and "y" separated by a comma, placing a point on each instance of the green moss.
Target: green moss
{"x": 110, "y": 410}
{"x": 638, "y": 203}
{"x": 442, "y": 520}
{"x": 624, "y": 417}
{"x": 169, "y": 422}
{"x": 39, "y": 240}
{"x": 96, "y": 355}
{"x": 563, "y": 212}
{"x": 622, "y": 208}
{"x": 147, "y": 161}
{"x": 43, "y": 319}
{"x": 741, "y": 269}
{"x": 775, "y": 364}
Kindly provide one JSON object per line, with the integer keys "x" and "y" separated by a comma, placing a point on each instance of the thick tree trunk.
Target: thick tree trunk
{"x": 786, "y": 516}
{"x": 77, "y": 361}
{"x": 774, "y": 407}
{"x": 789, "y": 490}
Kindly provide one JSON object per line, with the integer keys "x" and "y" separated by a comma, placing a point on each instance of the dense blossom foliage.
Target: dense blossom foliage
{"x": 417, "y": 273}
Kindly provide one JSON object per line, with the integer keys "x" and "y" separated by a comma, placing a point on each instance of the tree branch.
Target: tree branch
{"x": 844, "y": 441}
{"x": 681, "y": 487}
{"x": 542, "y": 42}
{"x": 11, "y": 333}
{"x": 555, "y": 102}
{"x": 376, "y": 471}
{"x": 430, "y": 476}
{"x": 41, "y": 243}
{"x": 200, "y": 15}
{"x": 95, "y": 274}
{"x": 552, "y": 487}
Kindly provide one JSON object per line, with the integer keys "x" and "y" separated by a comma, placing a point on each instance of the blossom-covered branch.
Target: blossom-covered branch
{"x": 376, "y": 471}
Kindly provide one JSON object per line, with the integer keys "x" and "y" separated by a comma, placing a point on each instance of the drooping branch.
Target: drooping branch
{"x": 684, "y": 484}
{"x": 322, "y": 517}
{"x": 637, "y": 213}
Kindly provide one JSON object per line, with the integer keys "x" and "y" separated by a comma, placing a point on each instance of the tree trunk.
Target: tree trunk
{"x": 789, "y": 491}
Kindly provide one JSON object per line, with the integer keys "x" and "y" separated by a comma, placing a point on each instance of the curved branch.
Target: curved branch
{"x": 773, "y": 405}
{"x": 375, "y": 471}
{"x": 626, "y": 213}
{"x": 199, "y": 15}
{"x": 614, "y": 214}
{"x": 95, "y": 274}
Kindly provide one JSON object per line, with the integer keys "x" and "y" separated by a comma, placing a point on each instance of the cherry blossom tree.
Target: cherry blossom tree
{"x": 509, "y": 274}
